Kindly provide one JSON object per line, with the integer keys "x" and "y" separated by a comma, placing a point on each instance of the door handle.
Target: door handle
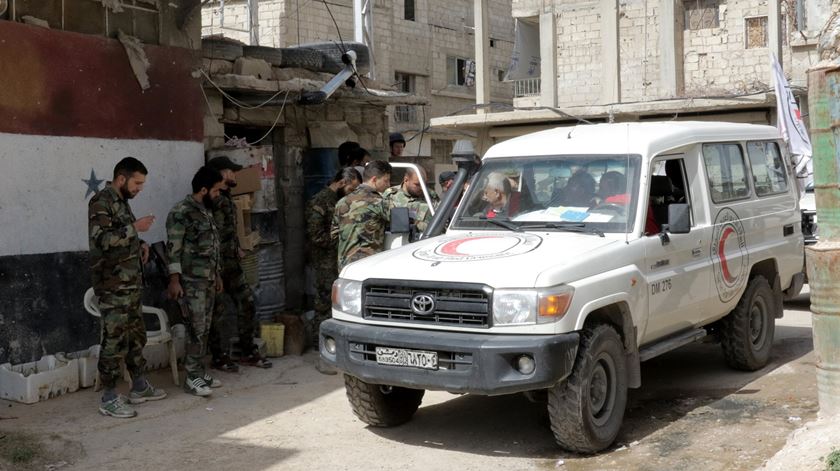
{"x": 787, "y": 230}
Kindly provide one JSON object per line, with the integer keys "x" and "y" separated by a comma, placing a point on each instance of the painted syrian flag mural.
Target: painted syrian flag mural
{"x": 71, "y": 109}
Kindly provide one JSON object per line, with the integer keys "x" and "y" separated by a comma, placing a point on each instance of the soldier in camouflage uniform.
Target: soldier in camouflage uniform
{"x": 322, "y": 248}
{"x": 116, "y": 258}
{"x": 233, "y": 279}
{"x": 361, "y": 217}
{"x": 410, "y": 195}
{"x": 194, "y": 271}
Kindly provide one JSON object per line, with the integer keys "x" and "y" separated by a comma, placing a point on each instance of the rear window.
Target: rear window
{"x": 768, "y": 168}
{"x": 727, "y": 172}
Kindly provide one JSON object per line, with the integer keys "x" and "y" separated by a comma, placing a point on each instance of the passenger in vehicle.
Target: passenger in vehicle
{"x": 579, "y": 191}
{"x": 497, "y": 195}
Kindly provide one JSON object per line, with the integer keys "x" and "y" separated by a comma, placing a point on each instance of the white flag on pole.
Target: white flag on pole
{"x": 790, "y": 124}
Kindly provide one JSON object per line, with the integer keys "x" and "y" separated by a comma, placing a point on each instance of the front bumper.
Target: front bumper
{"x": 468, "y": 363}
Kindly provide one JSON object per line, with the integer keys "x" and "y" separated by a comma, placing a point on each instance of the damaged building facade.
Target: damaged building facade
{"x": 422, "y": 47}
{"x": 633, "y": 60}
{"x": 252, "y": 114}
{"x": 73, "y": 104}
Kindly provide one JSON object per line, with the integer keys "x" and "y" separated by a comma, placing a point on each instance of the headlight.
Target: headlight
{"x": 531, "y": 306}
{"x": 347, "y": 296}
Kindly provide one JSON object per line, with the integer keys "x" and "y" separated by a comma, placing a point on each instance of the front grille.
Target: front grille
{"x": 449, "y": 361}
{"x": 462, "y": 304}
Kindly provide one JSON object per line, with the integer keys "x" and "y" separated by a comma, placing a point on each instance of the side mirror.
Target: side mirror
{"x": 400, "y": 222}
{"x": 679, "y": 218}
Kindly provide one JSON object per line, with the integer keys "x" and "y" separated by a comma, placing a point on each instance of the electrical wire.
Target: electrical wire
{"x": 270, "y": 130}
{"x": 342, "y": 48}
{"x": 236, "y": 102}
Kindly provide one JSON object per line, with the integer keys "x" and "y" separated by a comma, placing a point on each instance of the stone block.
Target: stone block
{"x": 212, "y": 127}
{"x": 216, "y": 66}
{"x": 216, "y": 102}
{"x": 255, "y": 67}
{"x": 262, "y": 116}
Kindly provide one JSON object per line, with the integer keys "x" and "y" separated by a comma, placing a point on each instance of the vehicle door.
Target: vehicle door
{"x": 676, "y": 265}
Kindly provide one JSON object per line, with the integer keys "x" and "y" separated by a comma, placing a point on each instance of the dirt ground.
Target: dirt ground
{"x": 691, "y": 413}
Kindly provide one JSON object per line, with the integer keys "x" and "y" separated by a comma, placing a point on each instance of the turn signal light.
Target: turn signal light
{"x": 554, "y": 305}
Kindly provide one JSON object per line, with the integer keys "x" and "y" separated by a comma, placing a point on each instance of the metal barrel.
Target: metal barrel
{"x": 270, "y": 294}
{"x": 823, "y": 258}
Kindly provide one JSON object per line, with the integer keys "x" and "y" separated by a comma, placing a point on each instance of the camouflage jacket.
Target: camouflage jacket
{"x": 192, "y": 241}
{"x": 319, "y": 216}
{"x": 224, "y": 214}
{"x": 359, "y": 225}
{"x": 418, "y": 210}
{"x": 114, "y": 244}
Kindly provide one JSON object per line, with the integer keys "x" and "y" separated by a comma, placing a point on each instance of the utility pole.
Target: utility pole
{"x": 482, "y": 54}
{"x": 824, "y": 256}
{"x": 363, "y": 29}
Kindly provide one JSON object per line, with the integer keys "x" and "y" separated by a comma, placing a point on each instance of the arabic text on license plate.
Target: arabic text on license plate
{"x": 403, "y": 357}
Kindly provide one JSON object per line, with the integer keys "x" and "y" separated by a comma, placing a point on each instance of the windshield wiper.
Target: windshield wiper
{"x": 506, "y": 223}
{"x": 565, "y": 226}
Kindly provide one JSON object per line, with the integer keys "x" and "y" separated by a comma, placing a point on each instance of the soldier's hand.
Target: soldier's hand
{"x": 175, "y": 291}
{"x": 219, "y": 285}
{"x": 144, "y": 253}
{"x": 144, "y": 223}
{"x": 241, "y": 253}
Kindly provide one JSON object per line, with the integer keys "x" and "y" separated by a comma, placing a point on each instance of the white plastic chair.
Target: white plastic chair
{"x": 153, "y": 337}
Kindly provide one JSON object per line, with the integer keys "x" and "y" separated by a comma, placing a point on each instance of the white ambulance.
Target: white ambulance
{"x": 575, "y": 254}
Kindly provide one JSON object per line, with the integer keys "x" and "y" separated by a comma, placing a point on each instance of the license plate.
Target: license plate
{"x": 403, "y": 357}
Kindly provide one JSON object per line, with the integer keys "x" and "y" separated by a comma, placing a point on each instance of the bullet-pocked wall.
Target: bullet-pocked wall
{"x": 72, "y": 107}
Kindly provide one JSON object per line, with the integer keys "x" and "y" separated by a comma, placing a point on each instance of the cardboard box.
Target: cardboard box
{"x": 247, "y": 181}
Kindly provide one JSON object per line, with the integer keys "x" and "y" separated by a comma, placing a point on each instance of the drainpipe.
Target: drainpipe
{"x": 823, "y": 258}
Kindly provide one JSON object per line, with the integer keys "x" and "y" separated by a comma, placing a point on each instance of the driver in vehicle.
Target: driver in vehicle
{"x": 579, "y": 191}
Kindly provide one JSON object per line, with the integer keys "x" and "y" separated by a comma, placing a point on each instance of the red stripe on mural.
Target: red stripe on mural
{"x": 57, "y": 83}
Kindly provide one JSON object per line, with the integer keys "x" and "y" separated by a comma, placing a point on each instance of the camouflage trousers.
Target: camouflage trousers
{"x": 123, "y": 336}
{"x": 237, "y": 290}
{"x": 325, "y": 275}
{"x": 199, "y": 296}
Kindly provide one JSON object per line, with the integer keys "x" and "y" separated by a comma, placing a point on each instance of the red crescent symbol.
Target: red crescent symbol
{"x": 724, "y": 265}
{"x": 451, "y": 248}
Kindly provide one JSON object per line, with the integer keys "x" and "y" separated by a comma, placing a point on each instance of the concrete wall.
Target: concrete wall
{"x": 417, "y": 47}
{"x": 710, "y": 61}
{"x": 72, "y": 107}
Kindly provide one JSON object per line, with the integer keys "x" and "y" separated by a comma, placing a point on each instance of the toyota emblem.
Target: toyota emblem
{"x": 423, "y": 304}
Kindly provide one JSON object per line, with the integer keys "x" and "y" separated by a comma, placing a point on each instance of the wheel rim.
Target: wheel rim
{"x": 602, "y": 389}
{"x": 758, "y": 323}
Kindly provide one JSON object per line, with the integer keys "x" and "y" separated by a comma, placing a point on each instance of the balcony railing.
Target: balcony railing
{"x": 526, "y": 87}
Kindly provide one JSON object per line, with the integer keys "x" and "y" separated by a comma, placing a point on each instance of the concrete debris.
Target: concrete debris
{"x": 31, "y": 20}
{"x": 254, "y": 67}
{"x": 113, "y": 5}
{"x": 136, "y": 57}
{"x": 829, "y": 43}
{"x": 559, "y": 464}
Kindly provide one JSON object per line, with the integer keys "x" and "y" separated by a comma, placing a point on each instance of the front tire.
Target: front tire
{"x": 587, "y": 409}
{"x": 747, "y": 332}
{"x": 382, "y": 406}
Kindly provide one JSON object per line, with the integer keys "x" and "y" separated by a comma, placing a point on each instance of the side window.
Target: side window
{"x": 768, "y": 168}
{"x": 727, "y": 172}
{"x": 668, "y": 185}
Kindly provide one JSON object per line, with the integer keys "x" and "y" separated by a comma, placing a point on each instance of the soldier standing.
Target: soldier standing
{"x": 322, "y": 249}
{"x": 194, "y": 271}
{"x": 233, "y": 279}
{"x": 410, "y": 195}
{"x": 116, "y": 258}
{"x": 361, "y": 217}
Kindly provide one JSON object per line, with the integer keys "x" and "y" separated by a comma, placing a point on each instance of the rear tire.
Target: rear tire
{"x": 587, "y": 409}
{"x": 332, "y": 55}
{"x": 747, "y": 332}
{"x": 214, "y": 48}
{"x": 382, "y": 406}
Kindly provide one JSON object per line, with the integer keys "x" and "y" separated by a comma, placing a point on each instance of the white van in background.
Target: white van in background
{"x": 575, "y": 254}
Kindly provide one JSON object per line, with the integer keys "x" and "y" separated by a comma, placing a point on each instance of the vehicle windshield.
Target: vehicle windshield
{"x": 581, "y": 193}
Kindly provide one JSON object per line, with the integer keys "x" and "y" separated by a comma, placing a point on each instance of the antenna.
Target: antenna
{"x": 627, "y": 183}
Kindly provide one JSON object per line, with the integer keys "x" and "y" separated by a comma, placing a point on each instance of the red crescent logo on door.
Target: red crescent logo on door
{"x": 730, "y": 258}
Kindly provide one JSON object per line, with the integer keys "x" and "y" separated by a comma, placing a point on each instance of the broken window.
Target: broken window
{"x": 409, "y": 10}
{"x": 456, "y": 72}
{"x": 756, "y": 33}
{"x": 701, "y": 14}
